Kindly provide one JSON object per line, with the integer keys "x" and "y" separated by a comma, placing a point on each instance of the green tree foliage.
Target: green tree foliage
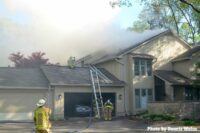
{"x": 182, "y": 16}
{"x": 140, "y": 26}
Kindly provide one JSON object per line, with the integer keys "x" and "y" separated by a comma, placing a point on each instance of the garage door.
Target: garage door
{"x": 19, "y": 105}
{"x": 79, "y": 104}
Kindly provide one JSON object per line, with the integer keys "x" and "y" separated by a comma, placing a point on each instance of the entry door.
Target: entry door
{"x": 141, "y": 98}
{"x": 144, "y": 98}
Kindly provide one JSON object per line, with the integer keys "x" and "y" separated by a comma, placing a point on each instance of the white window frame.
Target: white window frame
{"x": 140, "y": 67}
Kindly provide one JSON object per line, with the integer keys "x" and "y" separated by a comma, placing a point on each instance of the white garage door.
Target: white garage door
{"x": 19, "y": 104}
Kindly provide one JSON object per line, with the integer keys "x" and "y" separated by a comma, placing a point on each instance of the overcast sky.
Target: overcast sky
{"x": 63, "y": 28}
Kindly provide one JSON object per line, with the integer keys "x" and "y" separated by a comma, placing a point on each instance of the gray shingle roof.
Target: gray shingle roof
{"x": 172, "y": 77}
{"x": 188, "y": 54}
{"x": 22, "y": 77}
{"x": 62, "y": 75}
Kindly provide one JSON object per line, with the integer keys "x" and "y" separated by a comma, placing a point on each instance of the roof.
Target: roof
{"x": 22, "y": 77}
{"x": 144, "y": 39}
{"x": 139, "y": 39}
{"x": 63, "y": 75}
{"x": 188, "y": 54}
{"x": 172, "y": 77}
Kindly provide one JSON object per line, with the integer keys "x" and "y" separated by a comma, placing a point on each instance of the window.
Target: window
{"x": 149, "y": 67}
{"x": 137, "y": 98}
{"x": 136, "y": 68}
{"x": 142, "y": 67}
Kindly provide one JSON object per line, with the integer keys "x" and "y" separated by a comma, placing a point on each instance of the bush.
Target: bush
{"x": 189, "y": 122}
{"x": 158, "y": 117}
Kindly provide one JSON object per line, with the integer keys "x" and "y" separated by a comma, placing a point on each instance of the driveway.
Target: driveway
{"x": 79, "y": 125}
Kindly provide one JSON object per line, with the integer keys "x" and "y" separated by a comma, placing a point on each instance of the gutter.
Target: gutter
{"x": 87, "y": 85}
{"x": 26, "y": 88}
{"x": 181, "y": 59}
{"x": 49, "y": 90}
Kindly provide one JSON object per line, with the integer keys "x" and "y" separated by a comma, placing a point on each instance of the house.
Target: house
{"x": 157, "y": 67}
{"x": 64, "y": 89}
{"x": 143, "y": 67}
{"x": 177, "y": 84}
{"x": 174, "y": 89}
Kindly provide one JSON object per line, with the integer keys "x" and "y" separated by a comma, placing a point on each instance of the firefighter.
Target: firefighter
{"x": 41, "y": 117}
{"x": 108, "y": 108}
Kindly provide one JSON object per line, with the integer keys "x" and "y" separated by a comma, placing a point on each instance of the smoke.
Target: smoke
{"x": 61, "y": 28}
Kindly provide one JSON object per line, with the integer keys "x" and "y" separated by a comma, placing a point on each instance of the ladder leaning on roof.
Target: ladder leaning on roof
{"x": 94, "y": 73}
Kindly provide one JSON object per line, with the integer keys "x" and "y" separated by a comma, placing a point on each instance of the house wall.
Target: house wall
{"x": 59, "y": 103}
{"x": 169, "y": 92}
{"x": 187, "y": 67}
{"x": 113, "y": 67}
{"x": 19, "y": 104}
{"x": 164, "y": 49}
{"x": 141, "y": 82}
{"x": 179, "y": 92}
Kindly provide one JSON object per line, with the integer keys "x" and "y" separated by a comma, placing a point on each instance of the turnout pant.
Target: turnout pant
{"x": 43, "y": 131}
{"x": 108, "y": 113}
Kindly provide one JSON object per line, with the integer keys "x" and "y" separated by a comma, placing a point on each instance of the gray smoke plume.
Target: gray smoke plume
{"x": 38, "y": 34}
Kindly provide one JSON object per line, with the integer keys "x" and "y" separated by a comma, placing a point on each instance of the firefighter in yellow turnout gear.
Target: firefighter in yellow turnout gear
{"x": 108, "y": 108}
{"x": 41, "y": 117}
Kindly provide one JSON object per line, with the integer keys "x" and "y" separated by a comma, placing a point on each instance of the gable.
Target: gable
{"x": 164, "y": 48}
{"x": 143, "y": 40}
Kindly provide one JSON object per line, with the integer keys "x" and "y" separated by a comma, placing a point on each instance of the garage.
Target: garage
{"x": 80, "y": 104}
{"x": 20, "y": 90}
{"x": 20, "y": 104}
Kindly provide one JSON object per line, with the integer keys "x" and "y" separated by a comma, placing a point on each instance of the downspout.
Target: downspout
{"x": 49, "y": 90}
{"x": 125, "y": 106}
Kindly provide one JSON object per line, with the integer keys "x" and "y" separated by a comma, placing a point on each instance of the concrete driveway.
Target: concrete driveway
{"x": 121, "y": 125}
{"x": 79, "y": 125}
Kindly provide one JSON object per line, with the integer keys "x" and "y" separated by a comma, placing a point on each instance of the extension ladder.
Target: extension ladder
{"x": 94, "y": 73}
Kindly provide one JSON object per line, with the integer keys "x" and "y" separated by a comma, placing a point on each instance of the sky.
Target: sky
{"x": 63, "y": 28}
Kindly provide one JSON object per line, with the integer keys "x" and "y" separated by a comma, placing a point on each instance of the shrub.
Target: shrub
{"x": 158, "y": 117}
{"x": 189, "y": 122}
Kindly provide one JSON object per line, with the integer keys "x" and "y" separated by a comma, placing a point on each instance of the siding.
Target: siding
{"x": 187, "y": 67}
{"x": 164, "y": 49}
{"x": 113, "y": 67}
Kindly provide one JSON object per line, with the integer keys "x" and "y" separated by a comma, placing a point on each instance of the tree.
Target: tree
{"x": 194, "y": 4}
{"x": 140, "y": 26}
{"x": 36, "y": 59}
{"x": 171, "y": 14}
{"x": 191, "y": 4}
